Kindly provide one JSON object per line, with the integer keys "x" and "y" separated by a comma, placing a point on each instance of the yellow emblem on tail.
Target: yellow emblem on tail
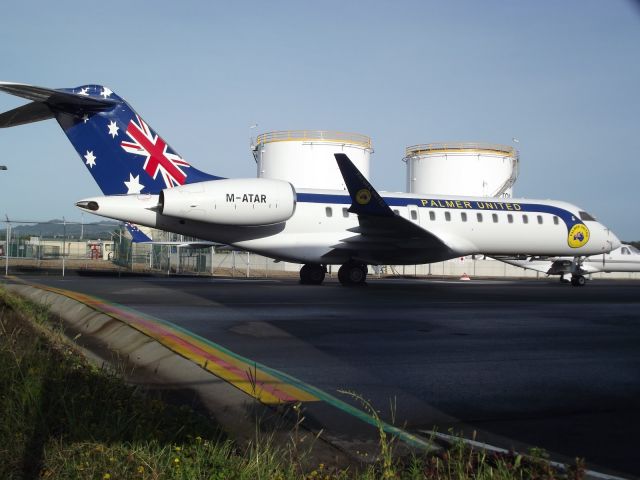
{"x": 363, "y": 196}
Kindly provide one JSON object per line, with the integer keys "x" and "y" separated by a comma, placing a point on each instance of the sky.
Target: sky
{"x": 561, "y": 77}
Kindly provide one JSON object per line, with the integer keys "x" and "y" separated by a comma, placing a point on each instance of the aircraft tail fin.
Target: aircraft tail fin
{"x": 121, "y": 151}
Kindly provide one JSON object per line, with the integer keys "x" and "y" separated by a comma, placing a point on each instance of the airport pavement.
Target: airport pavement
{"x": 522, "y": 363}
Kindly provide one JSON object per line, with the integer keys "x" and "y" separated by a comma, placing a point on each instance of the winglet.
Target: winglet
{"x": 365, "y": 200}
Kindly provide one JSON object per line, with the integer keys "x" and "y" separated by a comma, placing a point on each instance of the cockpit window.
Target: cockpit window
{"x": 584, "y": 216}
{"x": 634, "y": 250}
{"x": 625, "y": 251}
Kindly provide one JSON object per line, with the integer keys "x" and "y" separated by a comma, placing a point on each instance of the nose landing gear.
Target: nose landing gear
{"x": 578, "y": 280}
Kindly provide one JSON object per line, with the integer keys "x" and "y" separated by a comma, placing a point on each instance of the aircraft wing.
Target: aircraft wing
{"x": 550, "y": 266}
{"x": 138, "y": 236}
{"x": 202, "y": 244}
{"x": 538, "y": 265}
{"x": 380, "y": 230}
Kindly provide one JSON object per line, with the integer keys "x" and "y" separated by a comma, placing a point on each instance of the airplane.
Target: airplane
{"x": 625, "y": 258}
{"x": 138, "y": 236}
{"x": 145, "y": 181}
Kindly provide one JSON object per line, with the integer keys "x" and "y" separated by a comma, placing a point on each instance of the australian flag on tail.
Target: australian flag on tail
{"x": 121, "y": 151}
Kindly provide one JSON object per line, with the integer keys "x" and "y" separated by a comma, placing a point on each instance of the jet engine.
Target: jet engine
{"x": 242, "y": 201}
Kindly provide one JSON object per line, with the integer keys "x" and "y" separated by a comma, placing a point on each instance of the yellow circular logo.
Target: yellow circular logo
{"x": 578, "y": 235}
{"x": 363, "y": 196}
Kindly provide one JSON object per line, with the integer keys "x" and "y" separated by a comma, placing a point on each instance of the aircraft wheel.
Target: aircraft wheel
{"x": 352, "y": 274}
{"x": 312, "y": 274}
{"x": 578, "y": 281}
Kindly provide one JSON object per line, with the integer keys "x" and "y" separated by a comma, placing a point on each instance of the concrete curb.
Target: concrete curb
{"x": 106, "y": 340}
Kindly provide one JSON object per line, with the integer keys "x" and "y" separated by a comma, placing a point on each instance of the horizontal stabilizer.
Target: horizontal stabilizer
{"x": 137, "y": 235}
{"x": 31, "y": 112}
{"x": 58, "y": 99}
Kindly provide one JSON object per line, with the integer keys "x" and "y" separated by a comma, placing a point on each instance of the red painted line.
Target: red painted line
{"x": 165, "y": 333}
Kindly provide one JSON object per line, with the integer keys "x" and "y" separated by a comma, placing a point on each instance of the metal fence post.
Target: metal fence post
{"x": 6, "y": 249}
{"x": 64, "y": 242}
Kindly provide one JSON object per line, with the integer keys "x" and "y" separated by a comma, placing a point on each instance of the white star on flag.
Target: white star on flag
{"x": 84, "y": 91}
{"x": 113, "y": 129}
{"x": 90, "y": 158}
{"x": 85, "y": 117}
{"x": 106, "y": 92}
{"x": 133, "y": 185}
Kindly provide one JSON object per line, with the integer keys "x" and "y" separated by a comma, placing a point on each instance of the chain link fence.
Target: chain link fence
{"x": 22, "y": 251}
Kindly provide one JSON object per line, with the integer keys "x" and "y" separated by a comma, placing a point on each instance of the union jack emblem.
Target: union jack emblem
{"x": 154, "y": 149}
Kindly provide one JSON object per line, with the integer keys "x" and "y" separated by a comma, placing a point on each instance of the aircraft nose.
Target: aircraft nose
{"x": 613, "y": 239}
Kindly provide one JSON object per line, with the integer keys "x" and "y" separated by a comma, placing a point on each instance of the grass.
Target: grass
{"x": 63, "y": 418}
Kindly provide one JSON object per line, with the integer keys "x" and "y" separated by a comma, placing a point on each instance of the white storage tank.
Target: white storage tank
{"x": 305, "y": 157}
{"x": 462, "y": 168}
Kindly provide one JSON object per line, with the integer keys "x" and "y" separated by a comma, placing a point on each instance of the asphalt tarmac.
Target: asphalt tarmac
{"x": 522, "y": 363}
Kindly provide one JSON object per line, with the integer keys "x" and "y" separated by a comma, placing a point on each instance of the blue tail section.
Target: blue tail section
{"x": 137, "y": 235}
{"x": 121, "y": 151}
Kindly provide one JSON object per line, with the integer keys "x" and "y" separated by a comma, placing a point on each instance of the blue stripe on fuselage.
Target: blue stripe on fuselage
{"x": 493, "y": 206}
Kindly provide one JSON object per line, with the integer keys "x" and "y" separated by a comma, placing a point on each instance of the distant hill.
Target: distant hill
{"x": 56, "y": 229}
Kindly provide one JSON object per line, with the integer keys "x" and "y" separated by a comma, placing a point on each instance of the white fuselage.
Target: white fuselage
{"x": 626, "y": 258}
{"x": 321, "y": 223}
{"x": 623, "y": 259}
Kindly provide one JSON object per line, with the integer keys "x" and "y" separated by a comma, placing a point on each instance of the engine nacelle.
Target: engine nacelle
{"x": 233, "y": 201}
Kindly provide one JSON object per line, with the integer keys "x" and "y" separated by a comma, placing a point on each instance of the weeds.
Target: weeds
{"x": 387, "y": 466}
{"x": 64, "y": 418}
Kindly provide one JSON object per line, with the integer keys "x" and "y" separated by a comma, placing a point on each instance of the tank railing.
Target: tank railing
{"x": 414, "y": 150}
{"x": 515, "y": 165}
{"x": 314, "y": 135}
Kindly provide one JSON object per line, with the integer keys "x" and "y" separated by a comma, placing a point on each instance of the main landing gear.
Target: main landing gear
{"x": 350, "y": 274}
{"x": 312, "y": 274}
{"x": 578, "y": 280}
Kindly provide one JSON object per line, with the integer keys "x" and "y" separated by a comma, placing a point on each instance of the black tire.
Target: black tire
{"x": 316, "y": 274}
{"x": 304, "y": 274}
{"x": 342, "y": 275}
{"x": 352, "y": 274}
{"x": 578, "y": 281}
{"x": 312, "y": 274}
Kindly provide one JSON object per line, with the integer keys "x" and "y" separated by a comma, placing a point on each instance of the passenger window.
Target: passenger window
{"x": 494, "y": 216}
{"x": 432, "y": 215}
{"x": 414, "y": 215}
{"x": 329, "y": 211}
{"x": 540, "y": 219}
{"x": 625, "y": 251}
{"x": 556, "y": 220}
{"x": 509, "y": 218}
{"x": 463, "y": 216}
{"x": 397, "y": 212}
{"x": 447, "y": 216}
{"x": 525, "y": 219}
{"x": 479, "y": 217}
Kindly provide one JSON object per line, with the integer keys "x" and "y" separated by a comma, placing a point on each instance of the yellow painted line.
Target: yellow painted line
{"x": 284, "y": 383}
{"x": 248, "y": 376}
